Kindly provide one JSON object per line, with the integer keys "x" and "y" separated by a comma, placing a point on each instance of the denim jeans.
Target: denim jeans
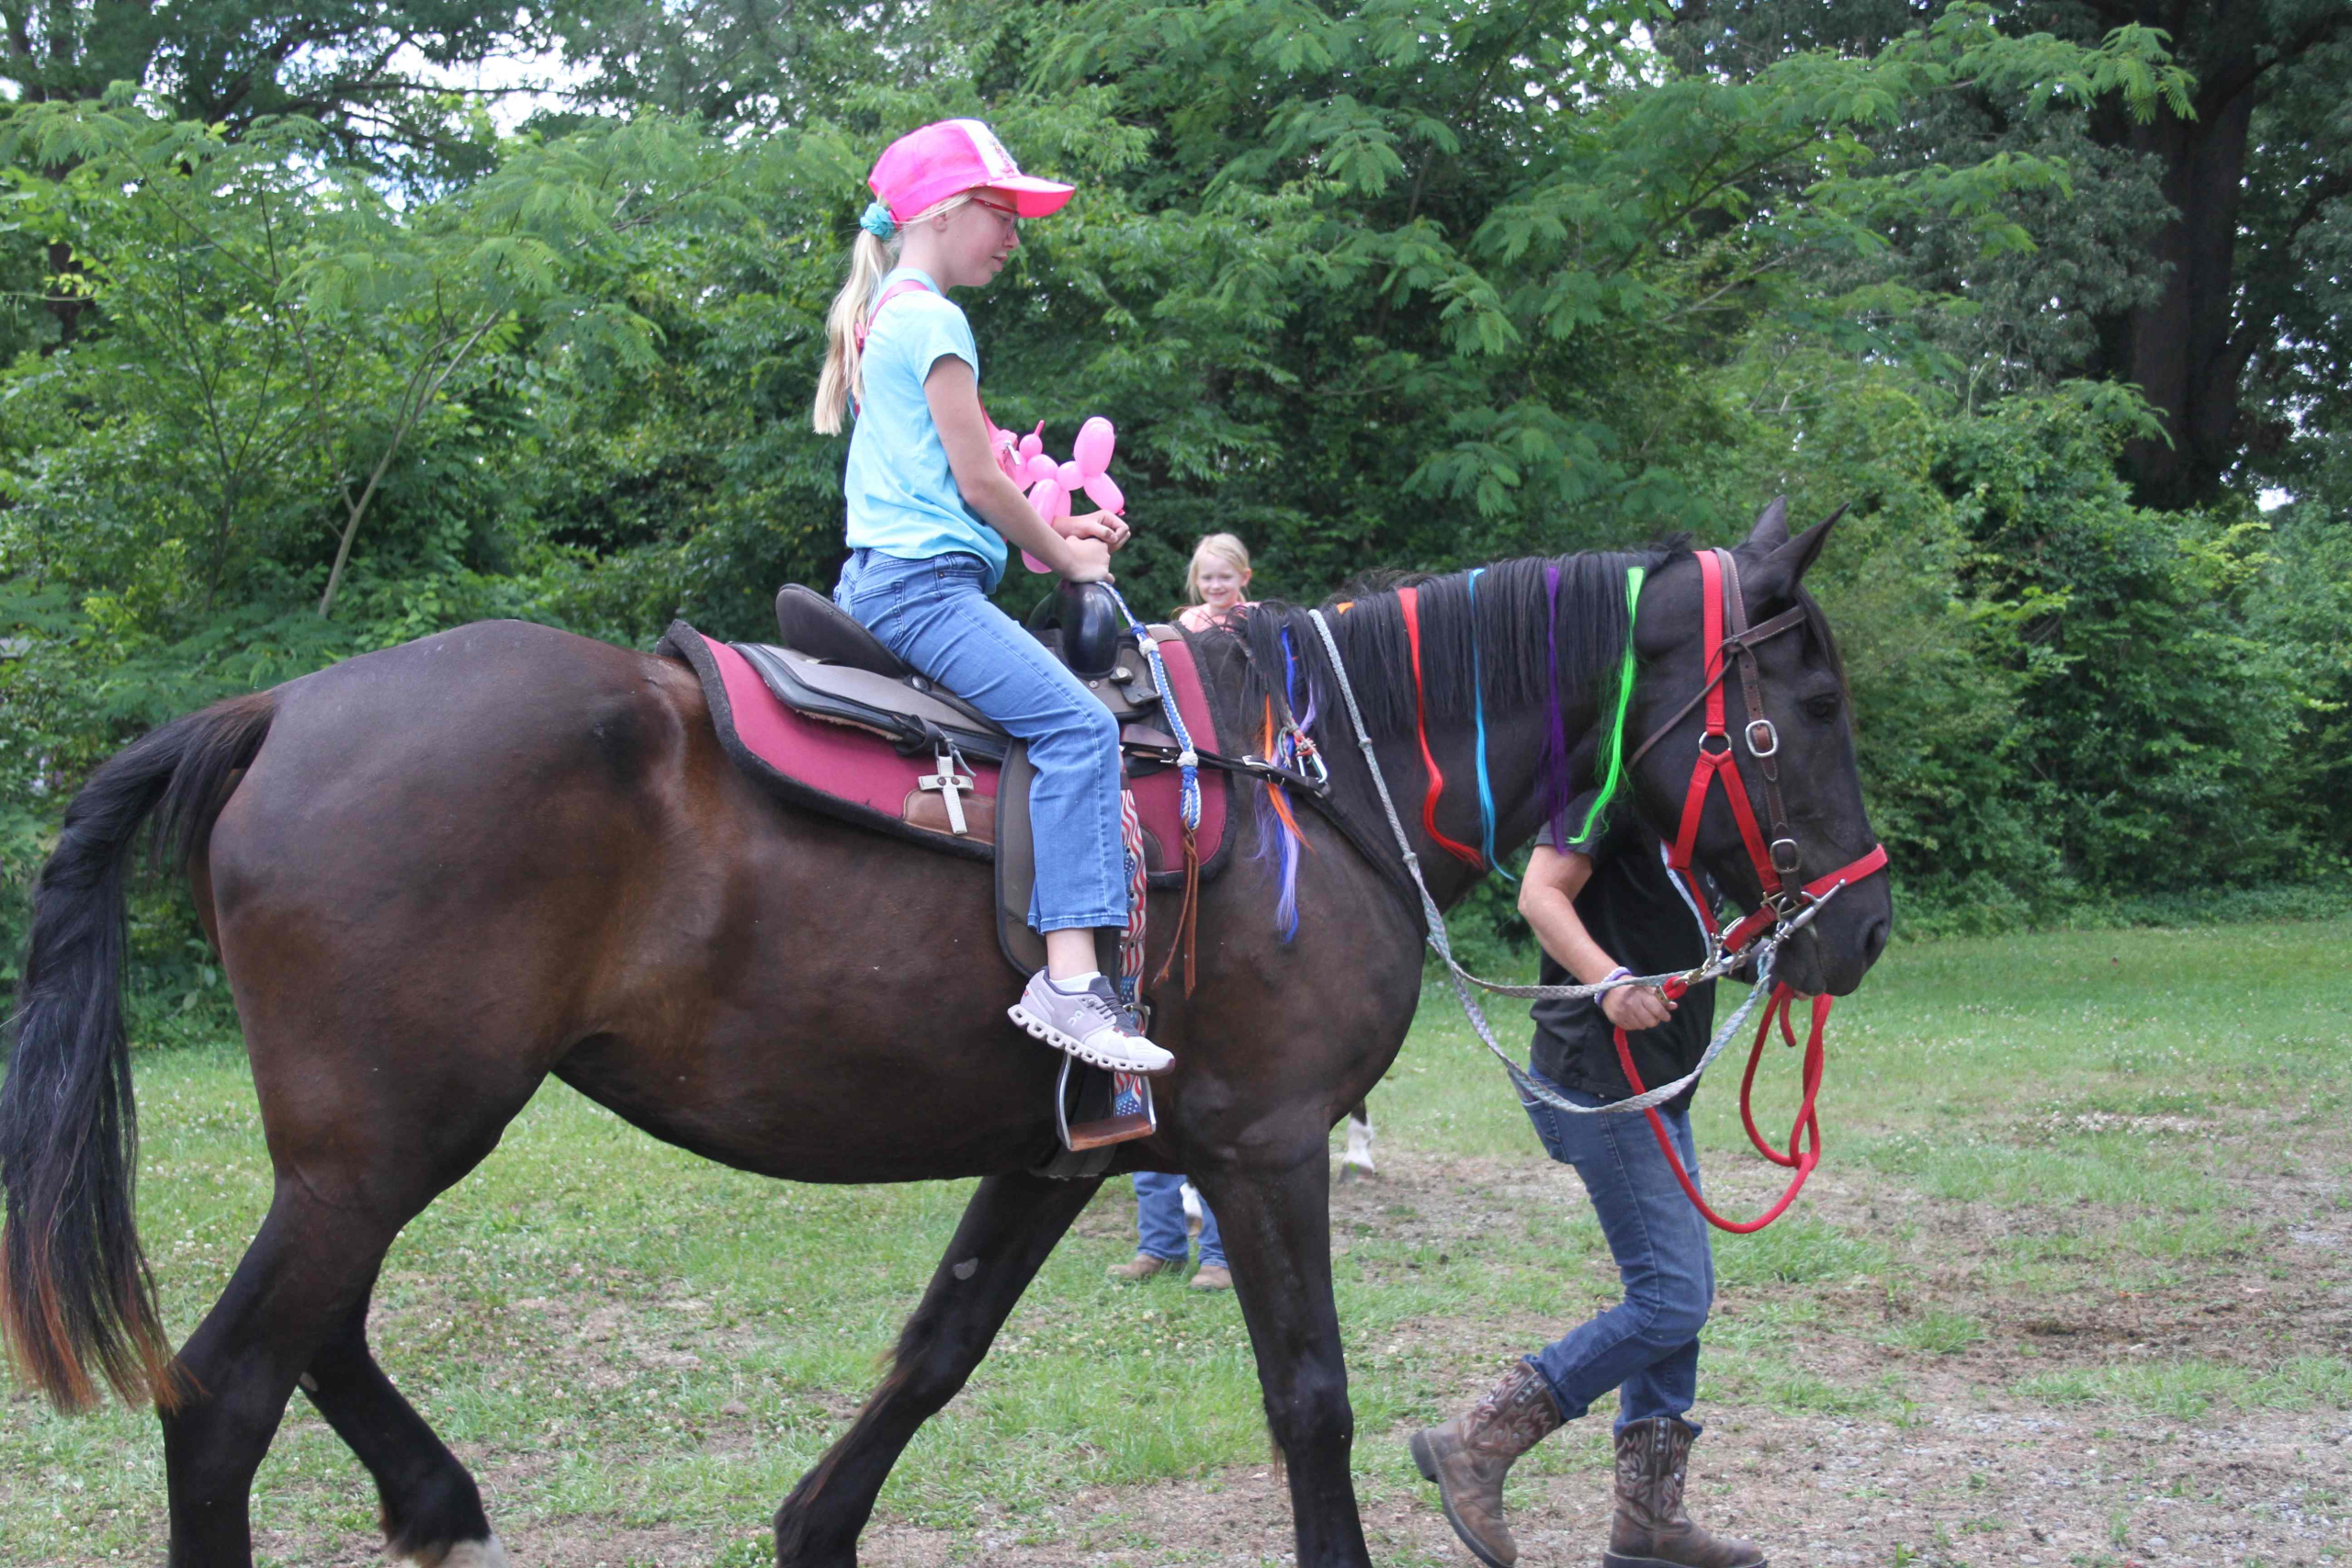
{"x": 932, "y": 614}
{"x": 1646, "y": 1347}
{"x": 1159, "y": 1221}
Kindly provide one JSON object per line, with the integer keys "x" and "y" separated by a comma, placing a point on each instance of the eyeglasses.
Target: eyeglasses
{"x": 1012, "y": 219}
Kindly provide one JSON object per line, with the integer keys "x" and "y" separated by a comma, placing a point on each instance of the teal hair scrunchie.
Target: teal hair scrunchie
{"x": 876, "y": 220}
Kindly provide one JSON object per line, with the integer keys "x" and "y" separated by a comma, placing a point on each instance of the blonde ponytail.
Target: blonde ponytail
{"x": 870, "y": 260}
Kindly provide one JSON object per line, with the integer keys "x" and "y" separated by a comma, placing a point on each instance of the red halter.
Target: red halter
{"x": 1776, "y": 862}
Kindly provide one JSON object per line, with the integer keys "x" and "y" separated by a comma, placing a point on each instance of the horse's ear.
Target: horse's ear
{"x": 1772, "y": 527}
{"x": 1778, "y": 577}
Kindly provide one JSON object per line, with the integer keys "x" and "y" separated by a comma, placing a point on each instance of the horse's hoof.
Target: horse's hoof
{"x": 485, "y": 1553}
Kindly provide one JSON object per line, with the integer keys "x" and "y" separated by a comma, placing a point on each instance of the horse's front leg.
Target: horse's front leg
{"x": 1277, "y": 1231}
{"x": 1009, "y": 1226}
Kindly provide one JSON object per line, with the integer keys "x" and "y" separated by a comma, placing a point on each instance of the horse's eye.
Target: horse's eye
{"x": 1821, "y": 709}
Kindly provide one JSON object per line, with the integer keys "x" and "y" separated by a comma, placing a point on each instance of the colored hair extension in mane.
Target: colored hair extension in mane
{"x": 1479, "y": 704}
{"x": 1409, "y": 602}
{"x": 1555, "y": 724}
{"x": 1611, "y": 765}
{"x": 1279, "y": 838}
{"x": 1306, "y": 712}
{"x": 1493, "y": 650}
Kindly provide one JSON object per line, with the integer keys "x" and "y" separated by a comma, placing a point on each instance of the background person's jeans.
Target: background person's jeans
{"x": 1646, "y": 1347}
{"x": 932, "y": 614}
{"x": 1159, "y": 1220}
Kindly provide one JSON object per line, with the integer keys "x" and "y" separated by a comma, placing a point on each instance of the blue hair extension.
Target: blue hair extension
{"x": 1278, "y": 833}
{"x": 1478, "y": 709}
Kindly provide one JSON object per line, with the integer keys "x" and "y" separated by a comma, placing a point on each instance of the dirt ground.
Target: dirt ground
{"x": 1941, "y": 1404}
{"x": 1959, "y": 1473}
{"x": 1953, "y": 1467}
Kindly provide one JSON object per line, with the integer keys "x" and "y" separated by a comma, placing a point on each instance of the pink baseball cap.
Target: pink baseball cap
{"x": 948, "y": 157}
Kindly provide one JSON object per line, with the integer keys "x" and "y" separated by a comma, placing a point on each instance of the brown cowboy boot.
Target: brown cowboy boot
{"x": 1469, "y": 1455}
{"x": 1651, "y": 1529}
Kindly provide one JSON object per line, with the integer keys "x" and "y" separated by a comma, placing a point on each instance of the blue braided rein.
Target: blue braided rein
{"x": 1188, "y": 762}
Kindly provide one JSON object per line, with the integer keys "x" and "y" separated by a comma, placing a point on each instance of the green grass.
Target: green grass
{"x": 622, "y": 1337}
{"x": 2186, "y": 1389}
{"x": 1937, "y": 1332}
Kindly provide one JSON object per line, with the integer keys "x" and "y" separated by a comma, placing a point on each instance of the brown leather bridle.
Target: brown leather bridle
{"x": 1776, "y": 858}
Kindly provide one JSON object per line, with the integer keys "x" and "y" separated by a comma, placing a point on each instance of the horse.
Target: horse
{"x": 438, "y": 873}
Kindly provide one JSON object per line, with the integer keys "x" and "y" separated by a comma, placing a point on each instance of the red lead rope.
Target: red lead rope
{"x": 1805, "y": 1137}
{"x": 1719, "y": 765}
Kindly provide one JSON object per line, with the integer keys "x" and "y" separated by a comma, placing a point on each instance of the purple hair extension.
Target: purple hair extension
{"x": 1556, "y": 739}
{"x": 1277, "y": 834}
{"x": 1286, "y": 905}
{"x": 1276, "y": 843}
{"x": 1291, "y": 683}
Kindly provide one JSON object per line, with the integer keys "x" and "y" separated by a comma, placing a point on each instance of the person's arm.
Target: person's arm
{"x": 1547, "y": 901}
{"x": 954, "y": 395}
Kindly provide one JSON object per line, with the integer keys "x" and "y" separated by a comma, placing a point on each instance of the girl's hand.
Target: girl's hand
{"x": 1632, "y": 1008}
{"x": 1107, "y": 527}
{"x": 1086, "y": 560}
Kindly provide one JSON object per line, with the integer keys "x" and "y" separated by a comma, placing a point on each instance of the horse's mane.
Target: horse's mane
{"x": 1514, "y": 619}
{"x": 1516, "y": 630}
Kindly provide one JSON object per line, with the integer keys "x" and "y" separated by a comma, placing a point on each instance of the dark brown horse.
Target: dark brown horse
{"x": 438, "y": 873}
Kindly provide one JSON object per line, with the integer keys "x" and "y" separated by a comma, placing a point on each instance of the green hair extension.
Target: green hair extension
{"x": 1613, "y": 745}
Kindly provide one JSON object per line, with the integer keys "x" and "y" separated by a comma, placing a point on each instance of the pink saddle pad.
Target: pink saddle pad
{"x": 855, "y": 773}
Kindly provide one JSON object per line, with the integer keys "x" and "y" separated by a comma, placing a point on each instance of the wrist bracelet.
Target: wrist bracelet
{"x": 1620, "y": 973}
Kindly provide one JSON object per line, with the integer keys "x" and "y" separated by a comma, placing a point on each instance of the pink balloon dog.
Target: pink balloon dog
{"x": 1051, "y": 484}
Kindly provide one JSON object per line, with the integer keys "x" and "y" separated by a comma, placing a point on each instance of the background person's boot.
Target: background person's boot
{"x": 1143, "y": 1266}
{"x": 1469, "y": 1455}
{"x": 1651, "y": 1530}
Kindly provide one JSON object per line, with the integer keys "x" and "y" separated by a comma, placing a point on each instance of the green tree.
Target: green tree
{"x": 2203, "y": 298}
{"x": 363, "y": 70}
{"x": 2159, "y": 728}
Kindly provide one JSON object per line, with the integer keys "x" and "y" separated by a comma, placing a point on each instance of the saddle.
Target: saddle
{"x": 828, "y": 718}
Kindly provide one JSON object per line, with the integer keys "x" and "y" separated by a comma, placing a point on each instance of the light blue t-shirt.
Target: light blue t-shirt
{"x": 899, "y": 489}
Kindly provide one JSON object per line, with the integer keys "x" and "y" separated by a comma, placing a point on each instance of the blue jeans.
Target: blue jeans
{"x": 1159, "y": 1220}
{"x": 932, "y": 614}
{"x": 1646, "y": 1347}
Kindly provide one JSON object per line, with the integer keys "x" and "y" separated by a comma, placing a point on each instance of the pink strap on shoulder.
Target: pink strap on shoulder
{"x": 904, "y": 286}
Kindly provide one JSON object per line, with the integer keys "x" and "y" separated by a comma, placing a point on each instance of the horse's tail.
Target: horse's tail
{"x": 74, "y": 1287}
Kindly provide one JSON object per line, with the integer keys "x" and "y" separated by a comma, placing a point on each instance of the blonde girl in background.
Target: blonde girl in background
{"x": 1217, "y": 583}
{"x": 929, "y": 515}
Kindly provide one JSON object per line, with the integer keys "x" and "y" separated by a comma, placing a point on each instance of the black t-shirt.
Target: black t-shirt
{"x": 1631, "y": 907}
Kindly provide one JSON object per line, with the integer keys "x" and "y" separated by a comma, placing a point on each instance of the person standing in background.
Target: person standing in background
{"x": 1162, "y": 1236}
{"x": 1217, "y": 583}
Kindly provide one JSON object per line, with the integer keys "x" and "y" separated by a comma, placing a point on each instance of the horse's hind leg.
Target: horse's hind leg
{"x": 1009, "y": 1226}
{"x": 431, "y": 1509}
{"x": 307, "y": 1272}
{"x": 297, "y": 1306}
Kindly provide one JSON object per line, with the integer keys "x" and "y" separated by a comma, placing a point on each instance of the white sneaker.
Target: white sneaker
{"x": 1089, "y": 1025}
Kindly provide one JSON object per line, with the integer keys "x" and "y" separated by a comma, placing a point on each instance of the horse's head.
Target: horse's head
{"x": 1803, "y": 749}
